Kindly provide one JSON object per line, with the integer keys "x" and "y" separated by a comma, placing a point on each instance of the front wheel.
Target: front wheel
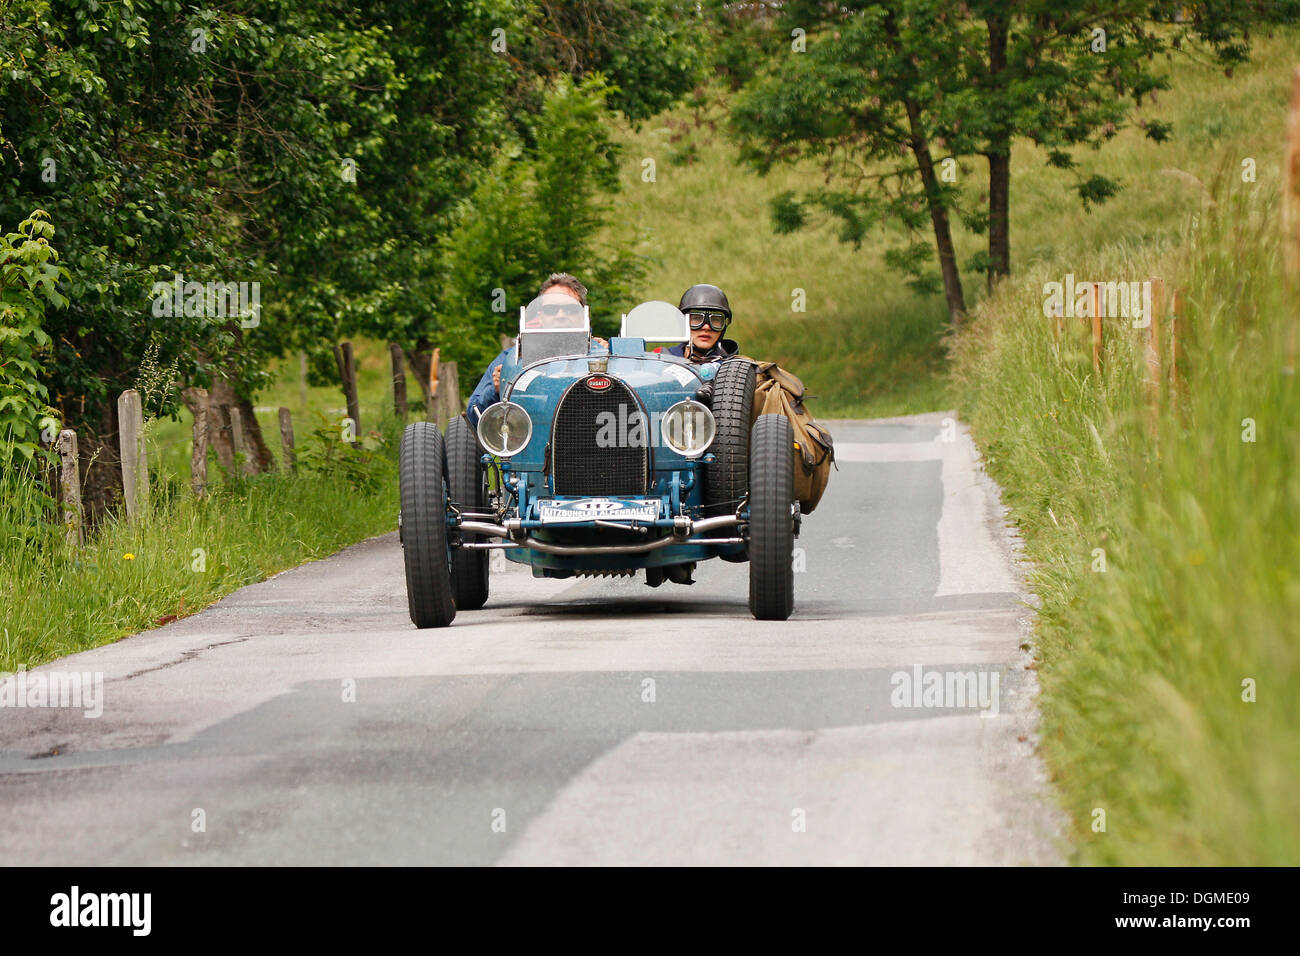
{"x": 771, "y": 518}
{"x": 424, "y": 526}
{"x": 467, "y": 485}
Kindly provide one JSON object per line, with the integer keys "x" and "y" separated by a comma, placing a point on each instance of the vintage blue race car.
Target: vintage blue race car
{"x": 601, "y": 460}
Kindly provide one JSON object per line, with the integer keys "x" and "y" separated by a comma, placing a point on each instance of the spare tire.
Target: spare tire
{"x": 771, "y": 520}
{"x": 726, "y": 481}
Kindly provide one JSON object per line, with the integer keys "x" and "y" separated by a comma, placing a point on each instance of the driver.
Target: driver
{"x": 709, "y": 314}
{"x": 562, "y": 299}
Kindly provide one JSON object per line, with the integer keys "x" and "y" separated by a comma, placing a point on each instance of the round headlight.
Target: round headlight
{"x": 688, "y": 429}
{"x": 504, "y": 429}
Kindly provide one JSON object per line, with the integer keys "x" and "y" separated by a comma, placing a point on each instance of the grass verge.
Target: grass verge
{"x": 184, "y": 554}
{"x": 1165, "y": 543}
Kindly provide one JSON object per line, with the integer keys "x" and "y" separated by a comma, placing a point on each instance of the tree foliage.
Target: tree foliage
{"x": 541, "y": 211}
{"x": 329, "y": 151}
{"x": 29, "y": 280}
{"x": 882, "y": 93}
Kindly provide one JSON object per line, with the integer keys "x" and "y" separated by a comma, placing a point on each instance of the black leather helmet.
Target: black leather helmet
{"x": 705, "y": 296}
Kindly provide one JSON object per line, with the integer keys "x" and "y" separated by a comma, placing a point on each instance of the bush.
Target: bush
{"x": 29, "y": 279}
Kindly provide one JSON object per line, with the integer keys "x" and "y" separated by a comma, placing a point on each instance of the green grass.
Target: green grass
{"x": 866, "y": 344}
{"x": 184, "y": 556}
{"x": 1142, "y": 664}
{"x": 56, "y": 600}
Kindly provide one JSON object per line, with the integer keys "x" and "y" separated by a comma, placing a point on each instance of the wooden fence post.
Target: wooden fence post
{"x": 70, "y": 485}
{"x": 400, "y": 407}
{"x": 237, "y": 446}
{"x": 286, "y": 440}
{"x": 135, "y": 466}
{"x": 197, "y": 400}
{"x": 348, "y": 374}
{"x": 433, "y": 406}
{"x": 448, "y": 394}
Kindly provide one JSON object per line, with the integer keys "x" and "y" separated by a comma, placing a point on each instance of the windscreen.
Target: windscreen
{"x": 659, "y": 323}
{"x": 554, "y": 323}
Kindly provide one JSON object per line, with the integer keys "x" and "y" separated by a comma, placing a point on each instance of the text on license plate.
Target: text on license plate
{"x": 588, "y": 509}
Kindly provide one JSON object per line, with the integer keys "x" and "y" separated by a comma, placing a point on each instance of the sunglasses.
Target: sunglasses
{"x": 717, "y": 320}
{"x": 556, "y": 309}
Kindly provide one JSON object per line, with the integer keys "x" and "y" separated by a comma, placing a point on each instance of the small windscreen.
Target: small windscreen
{"x": 538, "y": 345}
{"x": 554, "y": 323}
{"x": 659, "y": 323}
{"x": 554, "y": 312}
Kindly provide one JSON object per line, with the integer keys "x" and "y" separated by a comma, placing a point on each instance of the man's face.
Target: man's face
{"x": 704, "y": 337}
{"x": 558, "y": 308}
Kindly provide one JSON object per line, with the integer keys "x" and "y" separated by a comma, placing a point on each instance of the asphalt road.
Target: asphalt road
{"x": 303, "y": 720}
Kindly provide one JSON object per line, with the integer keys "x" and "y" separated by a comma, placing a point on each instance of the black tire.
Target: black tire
{"x": 424, "y": 526}
{"x": 727, "y": 479}
{"x": 467, "y": 486}
{"x": 771, "y": 519}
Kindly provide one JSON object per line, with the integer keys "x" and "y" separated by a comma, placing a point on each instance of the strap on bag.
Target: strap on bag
{"x": 791, "y": 383}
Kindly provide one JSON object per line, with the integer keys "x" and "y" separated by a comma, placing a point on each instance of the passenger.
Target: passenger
{"x": 563, "y": 298}
{"x": 709, "y": 314}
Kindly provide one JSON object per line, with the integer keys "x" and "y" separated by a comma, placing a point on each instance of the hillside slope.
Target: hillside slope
{"x": 867, "y": 345}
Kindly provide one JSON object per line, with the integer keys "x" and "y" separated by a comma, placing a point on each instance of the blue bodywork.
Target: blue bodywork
{"x": 658, "y": 380}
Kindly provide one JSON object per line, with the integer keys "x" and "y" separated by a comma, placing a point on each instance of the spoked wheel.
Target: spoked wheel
{"x": 467, "y": 483}
{"x": 727, "y": 479}
{"x": 771, "y": 518}
{"x": 424, "y": 526}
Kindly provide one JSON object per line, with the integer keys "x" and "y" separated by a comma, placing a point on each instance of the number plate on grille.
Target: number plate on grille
{"x": 587, "y": 509}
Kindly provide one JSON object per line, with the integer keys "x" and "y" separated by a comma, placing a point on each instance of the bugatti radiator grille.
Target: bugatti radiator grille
{"x": 594, "y": 450}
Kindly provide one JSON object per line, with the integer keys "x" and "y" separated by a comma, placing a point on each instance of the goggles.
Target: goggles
{"x": 567, "y": 310}
{"x": 717, "y": 321}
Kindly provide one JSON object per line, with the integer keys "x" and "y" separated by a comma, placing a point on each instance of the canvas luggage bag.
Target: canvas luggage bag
{"x": 776, "y": 391}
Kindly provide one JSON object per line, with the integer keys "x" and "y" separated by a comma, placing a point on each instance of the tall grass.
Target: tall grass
{"x": 184, "y": 553}
{"x": 1145, "y": 664}
{"x": 868, "y": 345}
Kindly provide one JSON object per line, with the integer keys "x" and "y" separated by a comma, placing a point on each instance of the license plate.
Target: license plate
{"x": 552, "y": 511}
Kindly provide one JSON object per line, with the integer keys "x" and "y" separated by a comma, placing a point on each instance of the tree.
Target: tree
{"x": 166, "y": 141}
{"x": 323, "y": 150}
{"x": 649, "y": 51}
{"x": 542, "y": 210}
{"x": 885, "y": 90}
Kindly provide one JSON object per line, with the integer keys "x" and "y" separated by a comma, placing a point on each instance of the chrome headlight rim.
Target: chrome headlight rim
{"x": 494, "y": 413}
{"x": 680, "y": 409}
